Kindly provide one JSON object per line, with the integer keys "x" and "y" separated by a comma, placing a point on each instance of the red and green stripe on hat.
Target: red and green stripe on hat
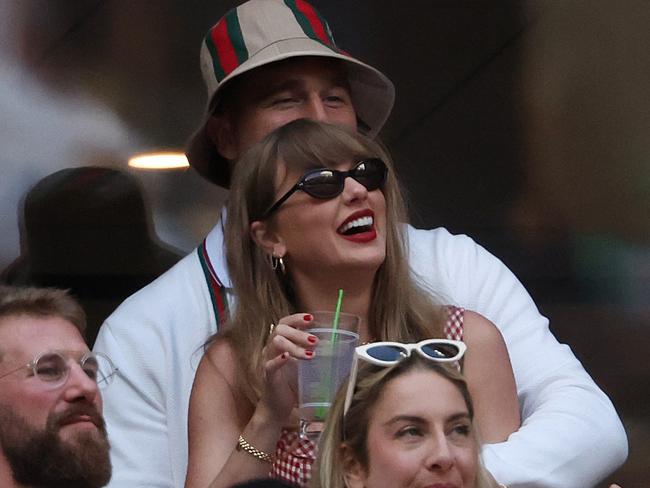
{"x": 256, "y": 25}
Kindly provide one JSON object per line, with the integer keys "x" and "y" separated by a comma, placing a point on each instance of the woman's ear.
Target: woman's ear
{"x": 267, "y": 240}
{"x": 353, "y": 472}
{"x": 220, "y": 130}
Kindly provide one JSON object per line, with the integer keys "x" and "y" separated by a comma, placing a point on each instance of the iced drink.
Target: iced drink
{"x": 320, "y": 378}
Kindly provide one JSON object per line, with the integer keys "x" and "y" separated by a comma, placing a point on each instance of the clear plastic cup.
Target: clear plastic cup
{"x": 319, "y": 378}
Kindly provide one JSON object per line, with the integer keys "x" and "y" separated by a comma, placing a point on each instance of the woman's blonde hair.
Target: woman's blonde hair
{"x": 400, "y": 310}
{"x": 345, "y": 436}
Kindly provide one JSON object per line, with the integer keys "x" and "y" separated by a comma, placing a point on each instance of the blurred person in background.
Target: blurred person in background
{"x": 89, "y": 230}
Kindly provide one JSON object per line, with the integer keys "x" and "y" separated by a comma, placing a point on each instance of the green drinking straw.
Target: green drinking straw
{"x": 337, "y": 314}
{"x": 321, "y": 412}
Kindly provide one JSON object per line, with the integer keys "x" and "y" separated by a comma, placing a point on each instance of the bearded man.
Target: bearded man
{"x": 52, "y": 432}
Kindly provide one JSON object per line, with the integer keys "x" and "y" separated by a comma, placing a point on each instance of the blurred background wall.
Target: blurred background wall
{"x": 523, "y": 124}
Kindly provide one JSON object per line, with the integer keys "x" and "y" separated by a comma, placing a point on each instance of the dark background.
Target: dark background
{"x": 522, "y": 124}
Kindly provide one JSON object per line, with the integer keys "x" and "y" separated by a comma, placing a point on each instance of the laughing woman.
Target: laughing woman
{"x": 314, "y": 208}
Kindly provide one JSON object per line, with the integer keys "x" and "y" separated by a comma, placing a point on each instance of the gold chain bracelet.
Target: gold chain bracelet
{"x": 242, "y": 444}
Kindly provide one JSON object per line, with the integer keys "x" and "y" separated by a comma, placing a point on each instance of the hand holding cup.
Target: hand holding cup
{"x": 286, "y": 343}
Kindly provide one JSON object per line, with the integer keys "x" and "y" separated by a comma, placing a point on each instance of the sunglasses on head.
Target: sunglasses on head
{"x": 390, "y": 353}
{"x": 325, "y": 183}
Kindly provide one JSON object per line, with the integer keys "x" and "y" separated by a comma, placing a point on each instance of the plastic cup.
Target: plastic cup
{"x": 319, "y": 378}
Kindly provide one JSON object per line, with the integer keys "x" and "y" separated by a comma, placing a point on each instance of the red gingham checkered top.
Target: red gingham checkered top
{"x": 294, "y": 457}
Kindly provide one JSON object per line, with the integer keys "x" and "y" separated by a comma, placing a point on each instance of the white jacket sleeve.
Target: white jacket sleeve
{"x": 571, "y": 435}
{"x": 155, "y": 339}
{"x": 134, "y": 410}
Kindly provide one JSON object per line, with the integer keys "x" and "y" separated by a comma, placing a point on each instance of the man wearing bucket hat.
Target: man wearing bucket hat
{"x": 261, "y": 34}
{"x": 265, "y": 63}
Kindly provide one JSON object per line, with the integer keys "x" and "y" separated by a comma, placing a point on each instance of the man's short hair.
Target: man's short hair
{"x": 41, "y": 303}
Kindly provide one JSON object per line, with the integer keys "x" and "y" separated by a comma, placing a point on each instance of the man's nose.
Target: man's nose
{"x": 80, "y": 385}
{"x": 315, "y": 109}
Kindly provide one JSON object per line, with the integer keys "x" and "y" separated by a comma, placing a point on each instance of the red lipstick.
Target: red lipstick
{"x": 359, "y": 227}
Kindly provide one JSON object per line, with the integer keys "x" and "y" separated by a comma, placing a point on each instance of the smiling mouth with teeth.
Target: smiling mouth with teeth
{"x": 356, "y": 226}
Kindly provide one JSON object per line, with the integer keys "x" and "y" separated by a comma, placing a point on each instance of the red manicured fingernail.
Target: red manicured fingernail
{"x": 285, "y": 355}
{"x": 309, "y": 353}
{"x": 307, "y": 317}
{"x": 312, "y": 339}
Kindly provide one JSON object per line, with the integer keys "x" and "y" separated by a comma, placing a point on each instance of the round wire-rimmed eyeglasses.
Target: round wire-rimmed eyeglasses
{"x": 53, "y": 367}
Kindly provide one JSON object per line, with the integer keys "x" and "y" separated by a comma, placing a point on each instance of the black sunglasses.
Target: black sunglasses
{"x": 325, "y": 183}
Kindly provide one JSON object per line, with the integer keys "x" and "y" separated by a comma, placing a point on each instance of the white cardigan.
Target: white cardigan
{"x": 570, "y": 437}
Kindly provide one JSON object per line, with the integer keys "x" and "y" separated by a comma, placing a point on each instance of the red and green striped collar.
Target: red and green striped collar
{"x": 215, "y": 287}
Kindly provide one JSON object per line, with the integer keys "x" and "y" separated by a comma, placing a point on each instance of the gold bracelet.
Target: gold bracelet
{"x": 242, "y": 444}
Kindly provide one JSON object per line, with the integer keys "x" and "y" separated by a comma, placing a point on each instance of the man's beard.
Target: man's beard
{"x": 40, "y": 458}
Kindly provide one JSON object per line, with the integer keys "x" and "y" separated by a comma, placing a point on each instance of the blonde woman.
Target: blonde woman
{"x": 313, "y": 208}
{"x": 406, "y": 425}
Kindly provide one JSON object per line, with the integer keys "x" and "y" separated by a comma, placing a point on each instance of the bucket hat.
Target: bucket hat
{"x": 89, "y": 229}
{"x": 260, "y": 32}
